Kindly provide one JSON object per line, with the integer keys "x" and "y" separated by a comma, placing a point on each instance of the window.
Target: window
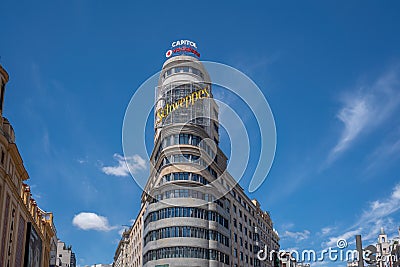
{"x": 195, "y": 140}
{"x": 184, "y": 139}
{"x": 185, "y": 252}
{"x": 186, "y": 212}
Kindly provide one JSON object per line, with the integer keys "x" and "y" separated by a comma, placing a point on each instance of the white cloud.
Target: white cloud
{"x": 379, "y": 209}
{"x": 372, "y": 219}
{"x": 386, "y": 153}
{"x": 326, "y": 230}
{"x": 367, "y": 108}
{"x": 348, "y": 236}
{"x": 91, "y": 221}
{"x": 354, "y": 115}
{"x": 82, "y": 160}
{"x": 287, "y": 226}
{"x": 291, "y": 249}
{"x": 297, "y": 236}
{"x": 125, "y": 164}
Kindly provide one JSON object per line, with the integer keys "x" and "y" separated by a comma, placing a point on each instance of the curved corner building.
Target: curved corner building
{"x": 194, "y": 213}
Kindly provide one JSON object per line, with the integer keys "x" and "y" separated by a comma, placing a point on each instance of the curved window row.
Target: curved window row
{"x": 187, "y": 193}
{"x": 185, "y": 212}
{"x": 185, "y": 252}
{"x": 183, "y": 176}
{"x": 183, "y": 69}
{"x": 187, "y": 158}
{"x": 186, "y": 231}
{"x": 184, "y": 139}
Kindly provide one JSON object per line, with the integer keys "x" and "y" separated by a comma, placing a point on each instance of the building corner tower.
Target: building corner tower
{"x": 193, "y": 213}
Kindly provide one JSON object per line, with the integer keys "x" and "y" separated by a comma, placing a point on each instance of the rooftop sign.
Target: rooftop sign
{"x": 182, "y": 47}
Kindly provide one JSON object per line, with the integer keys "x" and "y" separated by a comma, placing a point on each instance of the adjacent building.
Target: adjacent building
{"x": 385, "y": 253}
{"x": 383, "y": 248}
{"x": 121, "y": 256}
{"x": 65, "y": 255}
{"x": 286, "y": 260}
{"x": 26, "y": 231}
{"x": 193, "y": 212}
{"x": 129, "y": 249}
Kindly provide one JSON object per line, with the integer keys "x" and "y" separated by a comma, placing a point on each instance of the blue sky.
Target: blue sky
{"x": 330, "y": 71}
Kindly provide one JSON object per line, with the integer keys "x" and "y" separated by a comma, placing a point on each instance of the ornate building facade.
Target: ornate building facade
{"x": 26, "y": 231}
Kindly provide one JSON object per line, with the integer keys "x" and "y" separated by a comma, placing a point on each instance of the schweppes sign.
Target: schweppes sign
{"x": 183, "y": 102}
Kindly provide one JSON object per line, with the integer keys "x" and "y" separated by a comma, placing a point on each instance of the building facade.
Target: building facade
{"x": 384, "y": 253}
{"x": 286, "y": 260}
{"x": 193, "y": 212}
{"x": 65, "y": 255}
{"x": 26, "y": 231}
{"x": 129, "y": 249}
{"x": 388, "y": 250}
{"x": 121, "y": 257}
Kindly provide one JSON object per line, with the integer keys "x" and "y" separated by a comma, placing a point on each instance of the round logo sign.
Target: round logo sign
{"x": 169, "y": 53}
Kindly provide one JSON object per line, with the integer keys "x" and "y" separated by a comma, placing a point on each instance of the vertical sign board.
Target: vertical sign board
{"x": 33, "y": 248}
